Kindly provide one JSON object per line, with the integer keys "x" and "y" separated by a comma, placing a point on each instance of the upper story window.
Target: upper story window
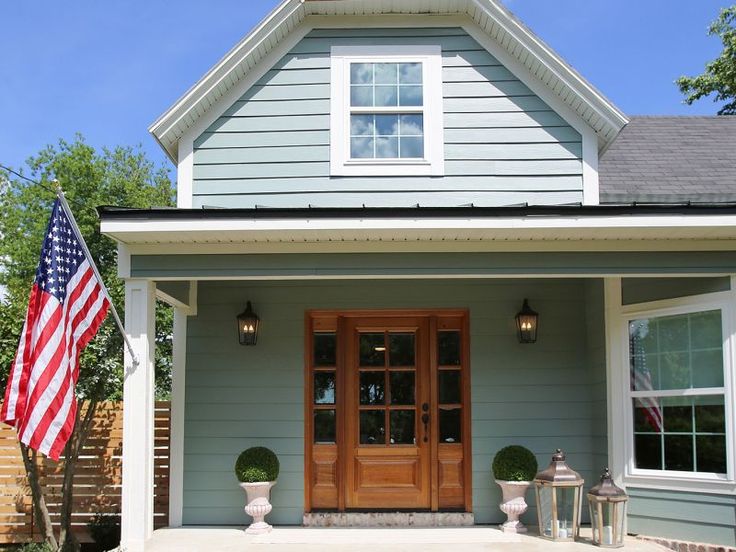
{"x": 386, "y": 111}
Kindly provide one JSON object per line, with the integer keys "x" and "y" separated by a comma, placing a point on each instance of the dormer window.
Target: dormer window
{"x": 386, "y": 109}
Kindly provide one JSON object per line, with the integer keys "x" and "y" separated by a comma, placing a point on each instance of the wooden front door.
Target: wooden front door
{"x": 388, "y": 413}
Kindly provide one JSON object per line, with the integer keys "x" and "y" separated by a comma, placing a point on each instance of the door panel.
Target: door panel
{"x": 387, "y": 439}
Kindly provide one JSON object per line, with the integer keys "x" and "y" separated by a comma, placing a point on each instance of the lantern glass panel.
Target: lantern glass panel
{"x": 619, "y": 523}
{"x": 545, "y": 509}
{"x": 594, "y": 520}
{"x": 566, "y": 511}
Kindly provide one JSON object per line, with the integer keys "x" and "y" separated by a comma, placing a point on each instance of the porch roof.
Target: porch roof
{"x": 569, "y": 223}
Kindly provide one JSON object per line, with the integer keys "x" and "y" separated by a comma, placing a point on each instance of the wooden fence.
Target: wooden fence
{"x": 97, "y": 482}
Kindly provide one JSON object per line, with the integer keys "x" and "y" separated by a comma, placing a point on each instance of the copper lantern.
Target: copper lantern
{"x": 248, "y": 323}
{"x": 559, "y": 491}
{"x": 527, "y": 323}
{"x": 607, "y": 512}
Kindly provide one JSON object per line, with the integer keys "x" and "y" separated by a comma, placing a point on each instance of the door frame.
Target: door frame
{"x": 321, "y": 459}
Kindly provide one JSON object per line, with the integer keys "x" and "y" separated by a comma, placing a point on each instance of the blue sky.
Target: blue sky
{"x": 108, "y": 69}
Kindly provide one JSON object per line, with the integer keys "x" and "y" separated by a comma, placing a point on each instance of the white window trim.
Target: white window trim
{"x": 620, "y": 411}
{"x": 340, "y": 163}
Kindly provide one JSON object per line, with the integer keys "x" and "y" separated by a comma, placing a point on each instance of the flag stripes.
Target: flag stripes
{"x": 66, "y": 308}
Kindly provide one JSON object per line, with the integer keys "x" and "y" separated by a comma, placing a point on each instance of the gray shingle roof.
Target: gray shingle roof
{"x": 671, "y": 159}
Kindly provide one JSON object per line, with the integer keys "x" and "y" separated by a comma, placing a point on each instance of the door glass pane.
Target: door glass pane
{"x": 402, "y": 387}
{"x": 449, "y": 386}
{"x": 449, "y": 348}
{"x": 325, "y": 347}
{"x": 324, "y": 388}
{"x": 324, "y": 426}
{"x": 372, "y": 386}
{"x": 402, "y": 427}
{"x": 372, "y": 430}
{"x": 401, "y": 349}
{"x": 372, "y": 349}
{"x": 450, "y": 425}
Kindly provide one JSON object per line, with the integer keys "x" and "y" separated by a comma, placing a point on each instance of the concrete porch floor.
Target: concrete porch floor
{"x": 417, "y": 539}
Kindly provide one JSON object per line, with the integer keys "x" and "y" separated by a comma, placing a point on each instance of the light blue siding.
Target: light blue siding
{"x": 430, "y": 264}
{"x": 503, "y": 144}
{"x": 542, "y": 396}
{"x": 685, "y": 516}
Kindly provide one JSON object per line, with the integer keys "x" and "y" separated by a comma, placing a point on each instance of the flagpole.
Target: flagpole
{"x": 68, "y": 211}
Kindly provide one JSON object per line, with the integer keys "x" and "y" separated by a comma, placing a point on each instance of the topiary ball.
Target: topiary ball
{"x": 514, "y": 463}
{"x": 256, "y": 465}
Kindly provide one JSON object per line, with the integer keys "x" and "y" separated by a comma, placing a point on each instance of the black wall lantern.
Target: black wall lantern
{"x": 248, "y": 322}
{"x": 527, "y": 323}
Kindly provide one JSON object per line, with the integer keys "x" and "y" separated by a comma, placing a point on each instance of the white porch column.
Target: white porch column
{"x": 138, "y": 411}
{"x": 617, "y": 353}
{"x": 176, "y": 448}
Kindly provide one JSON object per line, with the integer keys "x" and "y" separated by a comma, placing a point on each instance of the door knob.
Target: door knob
{"x": 425, "y": 421}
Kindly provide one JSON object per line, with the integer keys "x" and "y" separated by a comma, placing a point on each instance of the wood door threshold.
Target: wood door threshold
{"x": 389, "y": 519}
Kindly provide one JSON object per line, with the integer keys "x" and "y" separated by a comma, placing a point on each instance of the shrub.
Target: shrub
{"x": 36, "y": 547}
{"x": 257, "y": 464}
{"x": 514, "y": 463}
{"x": 105, "y": 530}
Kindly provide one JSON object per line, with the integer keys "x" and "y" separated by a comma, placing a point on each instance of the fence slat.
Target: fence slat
{"x": 97, "y": 481}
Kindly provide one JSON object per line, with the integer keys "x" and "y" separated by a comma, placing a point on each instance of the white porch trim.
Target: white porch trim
{"x": 138, "y": 416}
{"x": 518, "y": 229}
{"x": 176, "y": 447}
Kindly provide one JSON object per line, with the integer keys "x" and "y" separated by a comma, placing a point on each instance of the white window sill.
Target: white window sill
{"x": 707, "y": 484}
{"x": 386, "y": 167}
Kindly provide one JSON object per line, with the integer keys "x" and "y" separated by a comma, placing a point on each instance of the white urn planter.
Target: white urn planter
{"x": 258, "y": 506}
{"x": 513, "y": 504}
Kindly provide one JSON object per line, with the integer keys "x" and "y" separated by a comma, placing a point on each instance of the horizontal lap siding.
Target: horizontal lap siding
{"x": 503, "y": 144}
{"x": 684, "y": 516}
{"x": 236, "y": 397}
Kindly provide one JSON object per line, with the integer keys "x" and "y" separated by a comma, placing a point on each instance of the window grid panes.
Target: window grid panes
{"x": 674, "y": 428}
{"x": 387, "y": 388}
{"x": 324, "y": 387}
{"x": 386, "y": 120}
{"x": 449, "y": 386}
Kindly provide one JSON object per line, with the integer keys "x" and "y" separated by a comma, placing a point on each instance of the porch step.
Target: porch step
{"x": 389, "y": 519}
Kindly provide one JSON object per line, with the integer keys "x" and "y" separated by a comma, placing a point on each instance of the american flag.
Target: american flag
{"x": 65, "y": 310}
{"x": 641, "y": 377}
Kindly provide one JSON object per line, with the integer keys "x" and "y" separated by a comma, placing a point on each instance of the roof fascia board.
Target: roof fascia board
{"x": 193, "y": 227}
{"x": 554, "y": 62}
{"x": 220, "y": 71}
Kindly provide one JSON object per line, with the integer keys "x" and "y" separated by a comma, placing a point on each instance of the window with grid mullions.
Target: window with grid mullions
{"x": 386, "y": 111}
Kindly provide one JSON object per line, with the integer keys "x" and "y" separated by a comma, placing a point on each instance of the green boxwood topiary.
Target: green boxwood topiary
{"x": 257, "y": 464}
{"x": 514, "y": 463}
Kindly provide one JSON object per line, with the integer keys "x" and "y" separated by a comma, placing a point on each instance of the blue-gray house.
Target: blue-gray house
{"x": 386, "y": 182}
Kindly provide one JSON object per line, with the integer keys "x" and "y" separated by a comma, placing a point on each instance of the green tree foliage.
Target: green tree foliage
{"x": 719, "y": 77}
{"x": 120, "y": 176}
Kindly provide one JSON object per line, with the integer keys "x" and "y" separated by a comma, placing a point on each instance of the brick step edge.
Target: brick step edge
{"x": 683, "y": 546}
